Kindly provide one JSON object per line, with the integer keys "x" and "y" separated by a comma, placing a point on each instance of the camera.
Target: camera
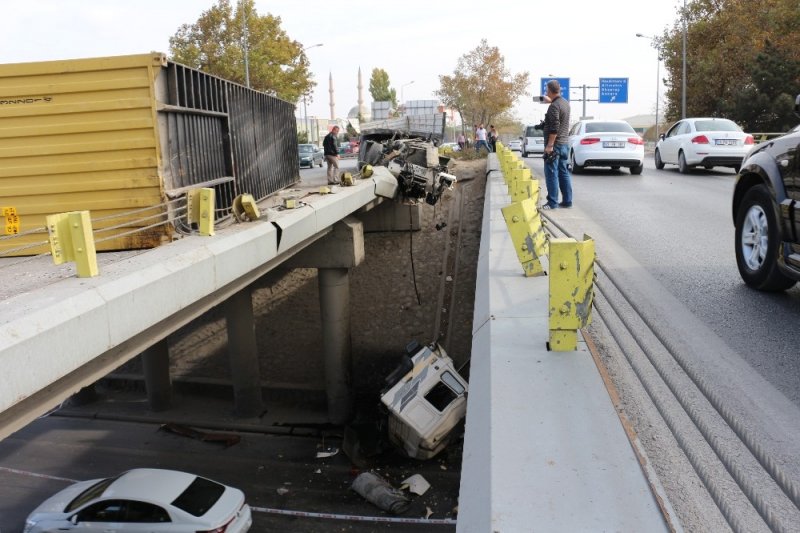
{"x": 541, "y": 99}
{"x": 550, "y": 157}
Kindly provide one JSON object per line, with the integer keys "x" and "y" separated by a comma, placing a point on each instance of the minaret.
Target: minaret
{"x": 360, "y": 93}
{"x": 330, "y": 90}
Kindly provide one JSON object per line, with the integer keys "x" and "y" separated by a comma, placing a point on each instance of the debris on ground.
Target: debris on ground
{"x": 416, "y": 484}
{"x": 327, "y": 452}
{"x": 228, "y": 439}
{"x": 380, "y": 493}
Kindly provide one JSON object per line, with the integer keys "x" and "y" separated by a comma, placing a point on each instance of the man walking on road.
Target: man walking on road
{"x": 330, "y": 146}
{"x": 480, "y": 139}
{"x": 556, "y": 152}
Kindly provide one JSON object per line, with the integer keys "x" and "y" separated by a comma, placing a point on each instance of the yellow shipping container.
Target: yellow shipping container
{"x": 124, "y": 137}
{"x": 82, "y": 135}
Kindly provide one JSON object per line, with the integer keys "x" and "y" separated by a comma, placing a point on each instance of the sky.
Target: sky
{"x": 415, "y": 41}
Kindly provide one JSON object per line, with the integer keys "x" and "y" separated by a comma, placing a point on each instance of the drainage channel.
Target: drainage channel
{"x": 748, "y": 484}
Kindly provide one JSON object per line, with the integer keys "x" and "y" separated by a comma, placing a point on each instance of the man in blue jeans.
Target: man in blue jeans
{"x": 556, "y": 151}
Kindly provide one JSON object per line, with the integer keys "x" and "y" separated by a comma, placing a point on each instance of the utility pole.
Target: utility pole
{"x": 683, "y": 77}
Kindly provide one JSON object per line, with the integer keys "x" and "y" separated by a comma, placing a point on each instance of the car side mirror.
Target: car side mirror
{"x": 797, "y": 105}
{"x": 74, "y": 519}
{"x": 661, "y": 136}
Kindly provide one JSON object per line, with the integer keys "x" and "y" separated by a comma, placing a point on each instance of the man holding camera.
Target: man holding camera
{"x": 556, "y": 151}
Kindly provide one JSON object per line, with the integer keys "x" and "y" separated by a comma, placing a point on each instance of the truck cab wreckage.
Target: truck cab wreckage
{"x": 415, "y": 162}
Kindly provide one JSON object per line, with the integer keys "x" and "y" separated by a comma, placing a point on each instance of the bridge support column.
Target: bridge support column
{"x": 243, "y": 354}
{"x": 155, "y": 364}
{"x": 334, "y": 302}
{"x": 334, "y": 256}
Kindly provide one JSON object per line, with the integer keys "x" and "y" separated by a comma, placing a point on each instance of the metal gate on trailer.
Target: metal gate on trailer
{"x": 223, "y": 135}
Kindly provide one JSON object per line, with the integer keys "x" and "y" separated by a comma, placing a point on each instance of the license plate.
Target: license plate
{"x": 726, "y": 142}
{"x": 613, "y": 144}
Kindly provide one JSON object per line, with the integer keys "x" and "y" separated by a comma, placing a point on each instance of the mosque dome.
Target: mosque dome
{"x": 366, "y": 114}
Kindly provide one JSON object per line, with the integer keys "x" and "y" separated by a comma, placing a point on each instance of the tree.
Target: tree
{"x": 379, "y": 87}
{"x": 742, "y": 63}
{"x": 481, "y": 88}
{"x": 223, "y": 36}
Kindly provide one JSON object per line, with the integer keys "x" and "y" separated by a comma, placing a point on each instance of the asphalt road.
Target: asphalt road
{"x": 679, "y": 228}
{"x": 275, "y": 472}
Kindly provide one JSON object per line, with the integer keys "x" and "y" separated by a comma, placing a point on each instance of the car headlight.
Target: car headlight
{"x": 29, "y": 526}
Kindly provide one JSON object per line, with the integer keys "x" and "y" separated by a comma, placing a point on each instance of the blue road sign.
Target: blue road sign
{"x": 613, "y": 91}
{"x": 564, "y": 82}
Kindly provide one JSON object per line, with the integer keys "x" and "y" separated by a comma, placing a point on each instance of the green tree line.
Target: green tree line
{"x": 742, "y": 62}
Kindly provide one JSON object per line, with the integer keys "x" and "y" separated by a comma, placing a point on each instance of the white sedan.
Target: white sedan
{"x": 515, "y": 145}
{"x": 605, "y": 143}
{"x": 706, "y": 142}
{"x": 141, "y": 500}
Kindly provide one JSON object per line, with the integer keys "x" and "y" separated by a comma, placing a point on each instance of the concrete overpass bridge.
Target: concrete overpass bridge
{"x": 544, "y": 449}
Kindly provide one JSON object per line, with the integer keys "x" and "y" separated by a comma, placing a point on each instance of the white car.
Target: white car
{"x": 706, "y": 142}
{"x": 515, "y": 145}
{"x": 532, "y": 141}
{"x": 605, "y": 143}
{"x": 141, "y": 500}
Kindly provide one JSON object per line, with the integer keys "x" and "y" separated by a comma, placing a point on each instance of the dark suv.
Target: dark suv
{"x": 766, "y": 212}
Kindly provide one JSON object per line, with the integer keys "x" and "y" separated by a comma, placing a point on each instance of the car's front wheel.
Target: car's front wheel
{"x": 758, "y": 237}
{"x": 659, "y": 162}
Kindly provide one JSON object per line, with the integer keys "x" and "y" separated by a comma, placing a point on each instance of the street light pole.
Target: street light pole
{"x": 309, "y": 137}
{"x": 683, "y": 77}
{"x": 658, "y": 74}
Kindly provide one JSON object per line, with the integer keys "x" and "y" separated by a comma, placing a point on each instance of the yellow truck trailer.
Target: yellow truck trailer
{"x": 124, "y": 137}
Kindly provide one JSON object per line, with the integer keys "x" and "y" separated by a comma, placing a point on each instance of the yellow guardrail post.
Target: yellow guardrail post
{"x": 571, "y": 290}
{"x": 10, "y": 220}
{"x": 201, "y": 210}
{"x": 71, "y": 239}
{"x": 527, "y": 233}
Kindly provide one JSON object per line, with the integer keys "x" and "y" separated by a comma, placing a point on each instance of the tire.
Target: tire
{"x": 682, "y": 166}
{"x": 758, "y": 238}
{"x": 320, "y": 164}
{"x": 659, "y": 162}
{"x": 637, "y": 169}
{"x": 576, "y": 168}
{"x": 737, "y": 168}
{"x": 708, "y": 167}
{"x": 614, "y": 168}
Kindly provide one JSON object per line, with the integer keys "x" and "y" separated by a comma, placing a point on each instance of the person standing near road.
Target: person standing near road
{"x": 480, "y": 139}
{"x": 492, "y": 138}
{"x": 556, "y": 151}
{"x": 330, "y": 146}
{"x": 462, "y": 141}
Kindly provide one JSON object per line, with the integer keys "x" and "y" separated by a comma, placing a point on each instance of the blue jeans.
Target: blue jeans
{"x": 478, "y": 145}
{"x": 557, "y": 177}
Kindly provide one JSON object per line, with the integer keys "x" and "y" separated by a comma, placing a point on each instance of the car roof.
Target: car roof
{"x": 150, "y": 484}
{"x": 602, "y": 120}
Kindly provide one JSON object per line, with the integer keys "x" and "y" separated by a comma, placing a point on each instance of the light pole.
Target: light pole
{"x": 683, "y": 77}
{"x": 658, "y": 73}
{"x": 305, "y": 110}
{"x": 402, "y": 101}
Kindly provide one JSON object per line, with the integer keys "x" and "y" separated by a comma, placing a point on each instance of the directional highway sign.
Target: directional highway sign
{"x": 613, "y": 91}
{"x": 564, "y": 82}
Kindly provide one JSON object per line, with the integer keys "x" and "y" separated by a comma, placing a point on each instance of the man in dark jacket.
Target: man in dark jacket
{"x": 330, "y": 146}
{"x": 556, "y": 151}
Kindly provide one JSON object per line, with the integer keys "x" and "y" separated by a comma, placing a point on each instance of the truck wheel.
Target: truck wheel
{"x": 758, "y": 239}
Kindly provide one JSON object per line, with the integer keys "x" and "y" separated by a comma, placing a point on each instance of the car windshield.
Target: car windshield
{"x": 604, "y": 127}
{"x": 305, "y": 148}
{"x": 720, "y": 124}
{"x": 532, "y": 132}
{"x": 199, "y": 497}
{"x": 95, "y": 491}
